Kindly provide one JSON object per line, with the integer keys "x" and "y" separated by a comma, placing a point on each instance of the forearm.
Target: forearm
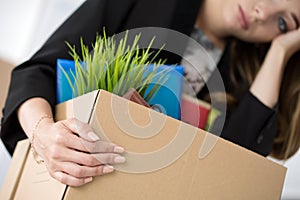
{"x": 251, "y": 125}
{"x": 266, "y": 86}
{"x": 31, "y": 111}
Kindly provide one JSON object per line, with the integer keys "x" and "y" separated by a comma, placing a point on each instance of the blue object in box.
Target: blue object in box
{"x": 63, "y": 89}
{"x": 166, "y": 100}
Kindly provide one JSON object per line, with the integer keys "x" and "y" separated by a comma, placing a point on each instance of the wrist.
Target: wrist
{"x": 277, "y": 57}
{"x": 42, "y": 121}
{"x": 281, "y": 52}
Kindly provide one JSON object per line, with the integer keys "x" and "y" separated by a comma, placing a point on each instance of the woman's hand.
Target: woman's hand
{"x": 288, "y": 43}
{"x": 73, "y": 153}
{"x": 267, "y": 83}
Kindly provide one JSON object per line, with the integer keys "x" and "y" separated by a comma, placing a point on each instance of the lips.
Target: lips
{"x": 243, "y": 19}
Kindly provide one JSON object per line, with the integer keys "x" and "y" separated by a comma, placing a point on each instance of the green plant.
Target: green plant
{"x": 115, "y": 68}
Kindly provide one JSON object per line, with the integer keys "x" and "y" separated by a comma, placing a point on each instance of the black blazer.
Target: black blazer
{"x": 251, "y": 125}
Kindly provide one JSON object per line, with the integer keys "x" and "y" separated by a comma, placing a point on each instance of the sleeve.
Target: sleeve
{"x": 36, "y": 77}
{"x": 252, "y": 125}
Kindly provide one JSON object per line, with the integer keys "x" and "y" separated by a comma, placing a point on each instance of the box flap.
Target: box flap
{"x": 36, "y": 183}
{"x": 15, "y": 170}
{"x": 80, "y": 108}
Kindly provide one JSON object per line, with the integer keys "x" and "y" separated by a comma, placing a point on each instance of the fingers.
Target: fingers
{"x": 75, "y": 142}
{"x": 72, "y": 141}
{"x": 70, "y": 180}
{"x": 74, "y": 153}
{"x": 87, "y": 159}
{"x": 76, "y": 175}
{"x": 289, "y": 42}
{"x": 80, "y": 171}
{"x": 82, "y": 129}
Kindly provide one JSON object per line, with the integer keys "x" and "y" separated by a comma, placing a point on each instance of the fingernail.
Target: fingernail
{"x": 120, "y": 159}
{"x": 118, "y": 149}
{"x": 108, "y": 169}
{"x": 93, "y": 136}
{"x": 87, "y": 180}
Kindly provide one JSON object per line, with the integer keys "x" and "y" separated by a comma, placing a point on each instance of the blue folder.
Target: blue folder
{"x": 166, "y": 100}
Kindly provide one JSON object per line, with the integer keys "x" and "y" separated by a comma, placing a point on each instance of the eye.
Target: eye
{"x": 282, "y": 25}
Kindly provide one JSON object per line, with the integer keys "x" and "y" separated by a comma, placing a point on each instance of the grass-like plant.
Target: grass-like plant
{"x": 115, "y": 67}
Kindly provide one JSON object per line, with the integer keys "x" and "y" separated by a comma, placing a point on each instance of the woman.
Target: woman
{"x": 252, "y": 123}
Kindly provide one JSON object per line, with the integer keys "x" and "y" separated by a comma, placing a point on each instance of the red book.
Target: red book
{"x": 194, "y": 111}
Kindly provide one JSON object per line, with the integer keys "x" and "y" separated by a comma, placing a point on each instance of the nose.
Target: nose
{"x": 263, "y": 12}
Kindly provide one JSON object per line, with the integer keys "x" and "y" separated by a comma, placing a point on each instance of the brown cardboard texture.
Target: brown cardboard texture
{"x": 166, "y": 159}
{"x": 15, "y": 170}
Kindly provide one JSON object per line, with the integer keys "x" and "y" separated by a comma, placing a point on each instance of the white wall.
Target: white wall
{"x": 26, "y": 24}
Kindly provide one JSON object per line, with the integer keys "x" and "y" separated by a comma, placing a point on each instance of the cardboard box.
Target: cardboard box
{"x": 166, "y": 159}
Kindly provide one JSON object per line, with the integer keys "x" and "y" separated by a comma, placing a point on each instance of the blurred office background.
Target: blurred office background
{"x": 25, "y": 25}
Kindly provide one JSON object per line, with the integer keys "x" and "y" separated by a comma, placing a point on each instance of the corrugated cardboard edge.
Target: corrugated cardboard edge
{"x": 15, "y": 170}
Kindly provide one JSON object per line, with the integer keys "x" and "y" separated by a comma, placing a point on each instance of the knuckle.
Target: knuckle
{"x": 86, "y": 127}
{"x": 90, "y": 161}
{"x": 106, "y": 158}
{"x": 72, "y": 120}
{"x": 111, "y": 158}
{"x": 53, "y": 175}
{"x": 62, "y": 179}
{"x": 59, "y": 139}
{"x": 76, "y": 122}
{"x": 78, "y": 183}
{"x": 103, "y": 159}
{"x": 88, "y": 146}
{"x": 78, "y": 172}
{"x": 105, "y": 146}
{"x": 83, "y": 145}
{"x": 109, "y": 147}
{"x": 54, "y": 152}
{"x": 51, "y": 165}
{"x": 99, "y": 170}
{"x": 91, "y": 147}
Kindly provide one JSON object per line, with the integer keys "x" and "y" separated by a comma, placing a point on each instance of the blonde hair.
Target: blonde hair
{"x": 246, "y": 61}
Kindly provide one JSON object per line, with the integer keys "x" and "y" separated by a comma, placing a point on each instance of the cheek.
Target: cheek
{"x": 264, "y": 35}
{"x": 261, "y": 35}
{"x": 229, "y": 19}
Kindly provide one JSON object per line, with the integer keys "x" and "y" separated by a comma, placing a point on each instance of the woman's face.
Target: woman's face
{"x": 259, "y": 20}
